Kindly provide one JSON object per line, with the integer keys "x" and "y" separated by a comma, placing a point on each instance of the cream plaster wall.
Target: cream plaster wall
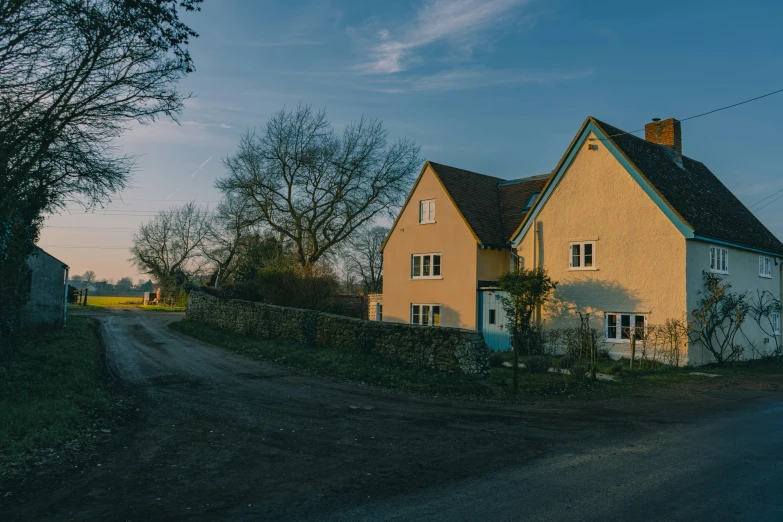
{"x": 449, "y": 235}
{"x": 639, "y": 254}
{"x": 492, "y": 263}
{"x": 744, "y": 277}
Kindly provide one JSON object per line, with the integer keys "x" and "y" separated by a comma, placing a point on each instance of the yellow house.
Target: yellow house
{"x": 450, "y": 242}
{"x": 626, "y": 225}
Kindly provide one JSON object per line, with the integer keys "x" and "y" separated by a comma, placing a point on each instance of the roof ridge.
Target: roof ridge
{"x": 528, "y": 179}
{"x": 435, "y": 164}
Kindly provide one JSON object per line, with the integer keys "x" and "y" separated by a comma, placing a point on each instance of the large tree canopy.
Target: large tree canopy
{"x": 73, "y": 75}
{"x": 315, "y": 187}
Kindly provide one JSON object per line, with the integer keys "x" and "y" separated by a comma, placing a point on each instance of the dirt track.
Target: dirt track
{"x": 219, "y": 436}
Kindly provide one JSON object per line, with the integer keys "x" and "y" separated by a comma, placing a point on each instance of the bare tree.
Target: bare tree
{"x": 231, "y": 225}
{"x": 90, "y": 277}
{"x": 718, "y": 318}
{"x": 167, "y": 246}
{"x": 765, "y": 309}
{"x": 363, "y": 257}
{"x": 316, "y": 187}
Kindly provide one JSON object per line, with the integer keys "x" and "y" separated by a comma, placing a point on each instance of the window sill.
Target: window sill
{"x": 718, "y": 272}
{"x": 590, "y": 269}
{"x": 621, "y": 341}
{"x": 436, "y": 278}
{"x": 427, "y": 222}
{"x": 766, "y": 276}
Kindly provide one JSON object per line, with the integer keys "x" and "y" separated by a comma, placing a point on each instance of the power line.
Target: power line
{"x": 92, "y": 228}
{"x": 708, "y": 112}
{"x": 768, "y": 203}
{"x": 766, "y": 198}
{"x": 99, "y": 247}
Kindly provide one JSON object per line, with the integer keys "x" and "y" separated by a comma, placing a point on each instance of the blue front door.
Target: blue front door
{"x": 492, "y": 321}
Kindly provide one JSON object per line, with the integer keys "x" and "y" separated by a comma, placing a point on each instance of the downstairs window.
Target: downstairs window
{"x": 425, "y": 314}
{"x": 620, "y": 327}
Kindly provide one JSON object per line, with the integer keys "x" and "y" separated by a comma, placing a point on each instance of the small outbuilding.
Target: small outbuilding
{"x": 47, "y": 302}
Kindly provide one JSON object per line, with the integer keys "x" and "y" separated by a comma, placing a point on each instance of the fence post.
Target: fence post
{"x": 84, "y": 303}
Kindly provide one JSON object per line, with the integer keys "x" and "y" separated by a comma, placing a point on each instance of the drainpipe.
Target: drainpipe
{"x": 65, "y": 297}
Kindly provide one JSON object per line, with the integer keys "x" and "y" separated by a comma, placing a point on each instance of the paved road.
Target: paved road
{"x": 728, "y": 467}
{"x": 218, "y": 436}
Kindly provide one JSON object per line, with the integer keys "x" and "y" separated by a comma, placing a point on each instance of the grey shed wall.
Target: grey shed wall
{"x": 47, "y": 287}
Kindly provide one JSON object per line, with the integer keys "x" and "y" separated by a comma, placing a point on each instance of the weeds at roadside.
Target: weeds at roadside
{"x": 51, "y": 387}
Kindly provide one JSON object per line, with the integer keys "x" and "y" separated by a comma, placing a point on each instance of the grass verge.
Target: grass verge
{"x": 52, "y": 385}
{"x": 387, "y": 372}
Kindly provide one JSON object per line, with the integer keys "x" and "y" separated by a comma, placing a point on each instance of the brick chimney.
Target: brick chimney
{"x": 668, "y": 133}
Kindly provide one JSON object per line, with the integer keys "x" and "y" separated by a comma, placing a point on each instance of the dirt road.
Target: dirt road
{"x": 220, "y": 437}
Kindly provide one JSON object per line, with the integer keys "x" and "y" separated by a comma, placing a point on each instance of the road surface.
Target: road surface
{"x": 217, "y": 436}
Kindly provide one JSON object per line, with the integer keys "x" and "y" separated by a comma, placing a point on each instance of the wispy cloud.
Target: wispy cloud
{"x": 460, "y": 23}
{"x": 467, "y": 79}
{"x": 284, "y": 43}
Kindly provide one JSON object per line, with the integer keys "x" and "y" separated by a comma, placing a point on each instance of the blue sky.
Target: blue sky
{"x": 495, "y": 86}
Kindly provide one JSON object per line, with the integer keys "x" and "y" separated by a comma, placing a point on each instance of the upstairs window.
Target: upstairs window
{"x": 425, "y": 266}
{"x": 620, "y": 327}
{"x": 532, "y": 199}
{"x": 425, "y": 314}
{"x": 765, "y": 267}
{"x": 427, "y": 211}
{"x": 582, "y": 256}
{"x": 719, "y": 260}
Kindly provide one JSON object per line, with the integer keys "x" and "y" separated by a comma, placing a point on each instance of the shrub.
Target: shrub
{"x": 578, "y": 372}
{"x": 539, "y": 364}
{"x": 617, "y": 368}
{"x": 496, "y": 359}
{"x": 566, "y": 362}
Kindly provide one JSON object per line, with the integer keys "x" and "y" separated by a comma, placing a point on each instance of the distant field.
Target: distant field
{"x": 114, "y": 301}
{"x": 125, "y": 302}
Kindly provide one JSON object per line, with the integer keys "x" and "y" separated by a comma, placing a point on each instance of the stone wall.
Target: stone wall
{"x": 449, "y": 350}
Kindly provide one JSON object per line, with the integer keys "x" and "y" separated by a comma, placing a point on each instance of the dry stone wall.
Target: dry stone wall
{"x": 449, "y": 350}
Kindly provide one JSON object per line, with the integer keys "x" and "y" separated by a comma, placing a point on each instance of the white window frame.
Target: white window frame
{"x": 431, "y": 256}
{"x": 719, "y": 259}
{"x": 618, "y": 326}
{"x": 430, "y": 316}
{"x": 765, "y": 267}
{"x": 582, "y": 256}
{"x": 426, "y": 211}
{"x": 776, "y": 323}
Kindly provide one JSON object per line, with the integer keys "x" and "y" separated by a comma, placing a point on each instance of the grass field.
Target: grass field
{"x": 125, "y": 302}
{"x": 51, "y": 387}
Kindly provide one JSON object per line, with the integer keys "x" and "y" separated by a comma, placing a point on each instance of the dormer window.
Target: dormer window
{"x": 530, "y": 201}
{"x": 427, "y": 211}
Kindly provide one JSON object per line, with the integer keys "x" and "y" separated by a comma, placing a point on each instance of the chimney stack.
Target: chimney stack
{"x": 668, "y": 133}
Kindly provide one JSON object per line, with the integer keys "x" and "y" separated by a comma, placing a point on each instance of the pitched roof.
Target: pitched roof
{"x": 694, "y": 193}
{"x": 493, "y": 207}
